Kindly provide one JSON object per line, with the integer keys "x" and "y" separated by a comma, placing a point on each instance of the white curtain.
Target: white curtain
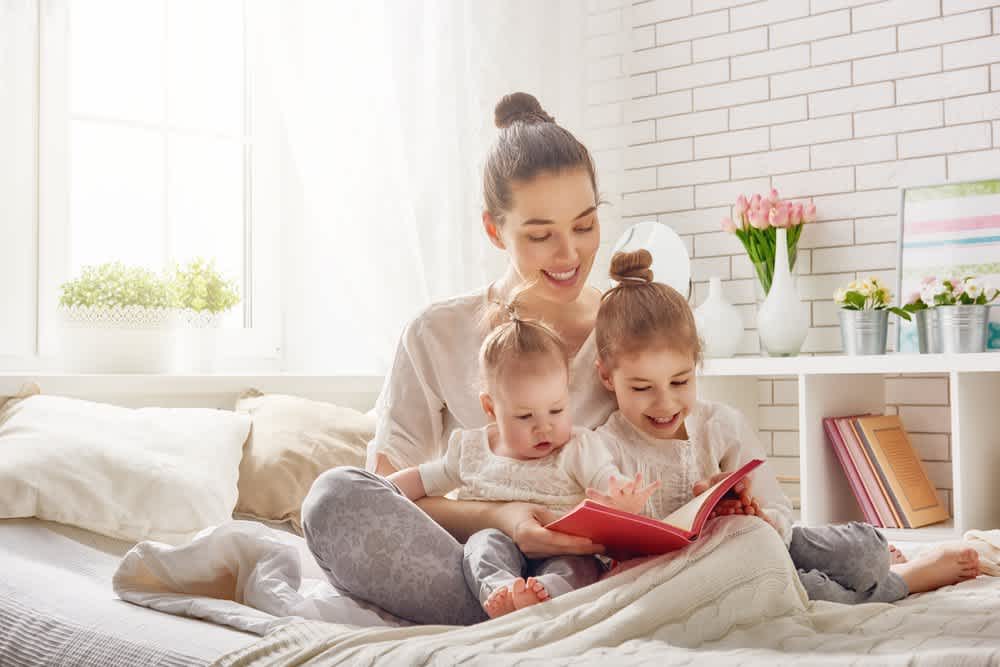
{"x": 18, "y": 187}
{"x": 386, "y": 109}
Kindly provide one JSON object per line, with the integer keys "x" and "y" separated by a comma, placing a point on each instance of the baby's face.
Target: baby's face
{"x": 531, "y": 406}
{"x": 655, "y": 389}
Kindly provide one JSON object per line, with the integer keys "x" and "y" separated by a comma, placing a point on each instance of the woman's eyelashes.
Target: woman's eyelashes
{"x": 546, "y": 237}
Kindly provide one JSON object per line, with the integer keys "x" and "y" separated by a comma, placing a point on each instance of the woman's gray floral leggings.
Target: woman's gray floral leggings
{"x": 376, "y": 545}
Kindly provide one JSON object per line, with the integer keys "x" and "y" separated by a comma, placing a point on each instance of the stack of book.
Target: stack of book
{"x": 885, "y": 473}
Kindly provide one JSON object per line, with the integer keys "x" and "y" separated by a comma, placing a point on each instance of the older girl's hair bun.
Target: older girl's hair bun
{"x": 632, "y": 267}
{"x": 521, "y": 107}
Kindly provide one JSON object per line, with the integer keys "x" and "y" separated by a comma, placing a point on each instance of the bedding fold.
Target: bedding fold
{"x": 242, "y": 574}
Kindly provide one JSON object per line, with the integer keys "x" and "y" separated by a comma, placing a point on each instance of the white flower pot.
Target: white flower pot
{"x": 197, "y": 340}
{"x": 130, "y": 339}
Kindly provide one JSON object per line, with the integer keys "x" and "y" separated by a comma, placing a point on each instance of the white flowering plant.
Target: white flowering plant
{"x": 868, "y": 294}
{"x": 957, "y": 291}
{"x": 115, "y": 285}
{"x": 200, "y": 287}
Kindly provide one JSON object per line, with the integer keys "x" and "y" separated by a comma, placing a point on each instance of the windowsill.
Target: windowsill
{"x": 82, "y": 384}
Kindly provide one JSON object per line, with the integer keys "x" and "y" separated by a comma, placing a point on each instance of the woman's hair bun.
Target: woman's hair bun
{"x": 520, "y": 107}
{"x": 632, "y": 267}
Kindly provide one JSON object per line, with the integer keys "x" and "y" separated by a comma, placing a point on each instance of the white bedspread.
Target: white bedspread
{"x": 242, "y": 574}
{"x": 741, "y": 604}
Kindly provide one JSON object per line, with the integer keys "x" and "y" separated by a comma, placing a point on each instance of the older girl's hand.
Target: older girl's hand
{"x": 525, "y": 524}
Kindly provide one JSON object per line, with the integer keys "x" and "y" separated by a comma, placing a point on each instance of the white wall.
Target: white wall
{"x": 840, "y": 101}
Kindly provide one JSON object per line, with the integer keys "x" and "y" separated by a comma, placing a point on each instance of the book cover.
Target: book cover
{"x": 917, "y": 497}
{"x": 851, "y": 472}
{"x": 866, "y": 447}
{"x": 625, "y": 534}
{"x": 867, "y": 472}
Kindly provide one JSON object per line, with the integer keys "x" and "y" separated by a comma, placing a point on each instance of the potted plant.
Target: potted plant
{"x": 769, "y": 230}
{"x": 962, "y": 307}
{"x": 920, "y": 305}
{"x": 864, "y": 316}
{"x": 115, "y": 319}
{"x": 201, "y": 295}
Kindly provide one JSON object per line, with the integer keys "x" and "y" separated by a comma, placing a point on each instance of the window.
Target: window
{"x": 159, "y": 136}
{"x": 154, "y": 147}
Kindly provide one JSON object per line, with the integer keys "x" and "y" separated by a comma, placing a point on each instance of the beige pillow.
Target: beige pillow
{"x": 292, "y": 441}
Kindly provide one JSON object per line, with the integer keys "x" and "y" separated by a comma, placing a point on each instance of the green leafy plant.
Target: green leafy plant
{"x": 868, "y": 294}
{"x": 199, "y": 286}
{"x": 114, "y": 284}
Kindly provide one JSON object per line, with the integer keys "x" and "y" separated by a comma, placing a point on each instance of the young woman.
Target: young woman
{"x": 540, "y": 192}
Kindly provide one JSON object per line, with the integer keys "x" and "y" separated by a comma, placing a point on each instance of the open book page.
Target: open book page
{"x": 685, "y": 516}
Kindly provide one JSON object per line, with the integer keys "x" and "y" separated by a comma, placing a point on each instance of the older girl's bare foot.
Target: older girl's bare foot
{"x": 895, "y": 555}
{"x": 944, "y": 566}
{"x": 526, "y": 593}
{"x": 499, "y": 603}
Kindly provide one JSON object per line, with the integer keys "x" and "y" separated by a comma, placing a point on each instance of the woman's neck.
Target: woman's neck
{"x": 563, "y": 316}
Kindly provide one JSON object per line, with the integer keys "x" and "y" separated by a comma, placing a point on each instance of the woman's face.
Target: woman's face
{"x": 552, "y": 233}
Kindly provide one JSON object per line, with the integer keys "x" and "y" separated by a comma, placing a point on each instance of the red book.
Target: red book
{"x": 624, "y": 534}
{"x": 857, "y": 486}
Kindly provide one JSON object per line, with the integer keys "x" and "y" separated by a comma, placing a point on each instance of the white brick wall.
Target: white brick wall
{"x": 837, "y": 101}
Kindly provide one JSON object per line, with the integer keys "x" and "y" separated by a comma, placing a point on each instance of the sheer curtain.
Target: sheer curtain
{"x": 386, "y": 110}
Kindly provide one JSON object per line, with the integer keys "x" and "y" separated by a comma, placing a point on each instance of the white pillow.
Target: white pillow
{"x": 134, "y": 474}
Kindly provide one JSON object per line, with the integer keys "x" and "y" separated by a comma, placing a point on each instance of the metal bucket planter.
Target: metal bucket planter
{"x": 963, "y": 328}
{"x": 928, "y": 340}
{"x": 864, "y": 331}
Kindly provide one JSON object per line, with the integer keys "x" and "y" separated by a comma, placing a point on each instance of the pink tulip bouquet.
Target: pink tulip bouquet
{"x": 757, "y": 222}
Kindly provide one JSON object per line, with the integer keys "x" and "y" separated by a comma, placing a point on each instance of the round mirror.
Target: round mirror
{"x": 671, "y": 264}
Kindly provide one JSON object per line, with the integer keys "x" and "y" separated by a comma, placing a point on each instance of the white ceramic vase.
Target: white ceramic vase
{"x": 782, "y": 321}
{"x": 719, "y": 323}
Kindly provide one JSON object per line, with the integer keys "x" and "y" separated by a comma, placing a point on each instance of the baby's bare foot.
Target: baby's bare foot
{"x": 526, "y": 593}
{"x": 499, "y": 603}
{"x": 944, "y": 566}
{"x": 895, "y": 555}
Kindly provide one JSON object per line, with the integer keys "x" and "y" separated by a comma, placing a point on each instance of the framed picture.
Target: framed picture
{"x": 948, "y": 230}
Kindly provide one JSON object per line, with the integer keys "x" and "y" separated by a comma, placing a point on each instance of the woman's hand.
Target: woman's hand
{"x": 525, "y": 524}
{"x": 626, "y": 495}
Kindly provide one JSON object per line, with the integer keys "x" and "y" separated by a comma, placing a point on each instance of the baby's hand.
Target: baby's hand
{"x": 628, "y": 496}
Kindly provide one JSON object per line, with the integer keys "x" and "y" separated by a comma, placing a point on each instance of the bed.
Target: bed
{"x": 57, "y": 607}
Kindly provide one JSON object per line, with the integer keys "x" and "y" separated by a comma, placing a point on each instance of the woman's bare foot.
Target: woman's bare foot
{"x": 944, "y": 566}
{"x": 895, "y": 555}
{"x": 518, "y": 595}
{"x": 499, "y": 603}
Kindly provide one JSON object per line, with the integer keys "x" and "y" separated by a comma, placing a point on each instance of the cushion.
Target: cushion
{"x": 133, "y": 474}
{"x": 292, "y": 441}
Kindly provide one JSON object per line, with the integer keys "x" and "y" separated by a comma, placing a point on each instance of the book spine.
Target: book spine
{"x": 868, "y": 476}
{"x": 857, "y": 487}
{"x": 897, "y": 509}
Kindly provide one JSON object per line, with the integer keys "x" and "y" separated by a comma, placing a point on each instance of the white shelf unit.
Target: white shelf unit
{"x": 841, "y": 385}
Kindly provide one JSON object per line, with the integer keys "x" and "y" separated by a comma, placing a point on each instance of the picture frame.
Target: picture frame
{"x": 948, "y": 230}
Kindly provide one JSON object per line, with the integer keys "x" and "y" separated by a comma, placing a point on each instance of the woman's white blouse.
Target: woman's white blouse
{"x": 719, "y": 440}
{"x": 433, "y": 386}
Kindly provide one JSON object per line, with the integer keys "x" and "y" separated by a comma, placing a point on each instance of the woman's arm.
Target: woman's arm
{"x": 410, "y": 483}
{"x": 523, "y": 522}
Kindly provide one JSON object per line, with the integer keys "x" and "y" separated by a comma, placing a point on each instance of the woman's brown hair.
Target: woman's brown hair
{"x": 530, "y": 143}
{"x": 513, "y": 339}
{"x": 638, "y": 312}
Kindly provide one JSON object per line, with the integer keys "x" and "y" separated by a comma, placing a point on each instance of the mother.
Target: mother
{"x": 540, "y": 192}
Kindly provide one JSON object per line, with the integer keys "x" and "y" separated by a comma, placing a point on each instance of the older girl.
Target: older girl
{"x": 648, "y": 353}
